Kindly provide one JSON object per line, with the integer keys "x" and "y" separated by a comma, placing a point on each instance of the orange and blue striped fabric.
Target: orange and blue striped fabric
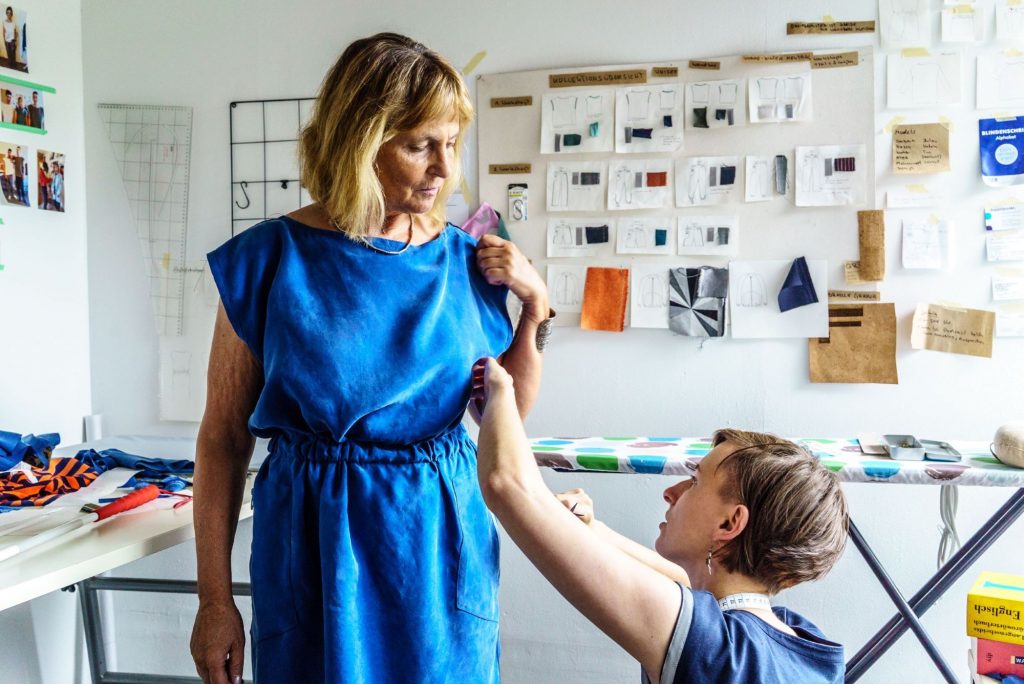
{"x": 38, "y": 486}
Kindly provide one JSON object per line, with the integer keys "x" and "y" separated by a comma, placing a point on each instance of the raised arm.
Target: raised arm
{"x": 223, "y": 451}
{"x": 502, "y": 263}
{"x": 627, "y": 600}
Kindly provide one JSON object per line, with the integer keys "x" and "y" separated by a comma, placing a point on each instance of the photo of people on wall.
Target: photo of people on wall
{"x": 51, "y": 180}
{"x": 14, "y": 51}
{"x": 14, "y": 181}
{"x": 22, "y": 106}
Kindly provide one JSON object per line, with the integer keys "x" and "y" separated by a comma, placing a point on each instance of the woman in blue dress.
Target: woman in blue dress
{"x": 346, "y": 334}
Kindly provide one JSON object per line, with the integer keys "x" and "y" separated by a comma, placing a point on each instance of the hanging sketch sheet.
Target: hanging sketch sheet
{"x": 576, "y": 186}
{"x": 697, "y": 299}
{"x": 925, "y": 243}
{"x": 579, "y": 237}
{"x": 767, "y": 178}
{"x": 1007, "y": 245}
{"x": 644, "y": 235}
{"x": 715, "y": 104}
{"x": 649, "y": 118}
{"x": 565, "y": 287}
{"x": 648, "y": 295}
{"x": 577, "y": 121}
{"x": 708, "y": 235}
{"x": 928, "y": 81}
{"x": 781, "y": 98}
{"x": 904, "y": 23}
{"x": 705, "y": 180}
{"x": 754, "y": 301}
{"x": 1009, "y": 21}
{"x": 1000, "y": 81}
{"x": 830, "y": 175}
{"x": 640, "y": 184}
{"x": 184, "y": 358}
{"x": 962, "y": 24}
{"x": 152, "y": 146}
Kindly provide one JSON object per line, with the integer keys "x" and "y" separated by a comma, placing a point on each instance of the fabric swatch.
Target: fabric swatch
{"x": 597, "y": 235}
{"x": 797, "y": 290}
{"x": 727, "y": 175}
{"x": 657, "y": 179}
{"x": 604, "y": 299}
{"x": 693, "y": 312}
{"x": 700, "y": 117}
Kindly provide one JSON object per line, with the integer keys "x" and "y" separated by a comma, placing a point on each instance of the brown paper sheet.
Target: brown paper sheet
{"x": 953, "y": 330}
{"x": 592, "y": 78}
{"x": 517, "y": 101}
{"x": 860, "y": 348}
{"x": 920, "y": 148}
{"x": 835, "y": 60}
{"x": 854, "y": 295}
{"x": 851, "y": 272}
{"x": 871, "y": 234}
{"x": 604, "y": 299}
{"x": 665, "y": 71}
{"x": 520, "y": 168}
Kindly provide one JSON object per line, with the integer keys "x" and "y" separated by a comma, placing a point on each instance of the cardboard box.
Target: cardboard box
{"x": 998, "y": 657}
{"x": 995, "y": 608}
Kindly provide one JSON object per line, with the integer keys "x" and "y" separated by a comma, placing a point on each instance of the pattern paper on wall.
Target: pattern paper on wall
{"x": 715, "y": 104}
{"x": 580, "y": 237}
{"x": 640, "y": 184}
{"x": 830, "y": 175}
{"x": 697, "y": 299}
{"x": 780, "y": 98}
{"x": 904, "y": 23}
{"x": 753, "y": 301}
{"x": 580, "y": 121}
{"x": 1000, "y": 80}
{"x": 646, "y": 235}
{"x": 767, "y": 178}
{"x": 860, "y": 348}
{"x": 565, "y": 287}
{"x": 708, "y": 235}
{"x": 705, "y": 180}
{"x": 923, "y": 81}
{"x": 576, "y": 186}
{"x": 648, "y": 289}
{"x": 925, "y": 243}
{"x": 649, "y": 118}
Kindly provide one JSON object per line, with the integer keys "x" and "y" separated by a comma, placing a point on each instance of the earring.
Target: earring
{"x": 709, "y": 561}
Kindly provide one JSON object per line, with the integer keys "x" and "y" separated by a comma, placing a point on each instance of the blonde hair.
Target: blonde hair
{"x": 798, "y": 516}
{"x": 380, "y": 86}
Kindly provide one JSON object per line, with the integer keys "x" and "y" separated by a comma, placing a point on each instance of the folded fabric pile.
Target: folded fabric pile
{"x": 30, "y": 476}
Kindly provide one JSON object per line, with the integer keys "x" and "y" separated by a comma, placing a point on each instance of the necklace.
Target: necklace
{"x": 407, "y": 245}
{"x": 747, "y": 600}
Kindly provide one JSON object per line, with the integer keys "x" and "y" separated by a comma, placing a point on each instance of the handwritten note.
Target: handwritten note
{"x": 925, "y": 243}
{"x": 920, "y": 148}
{"x": 953, "y": 330}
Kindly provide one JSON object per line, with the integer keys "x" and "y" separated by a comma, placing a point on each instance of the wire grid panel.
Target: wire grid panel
{"x": 152, "y": 146}
{"x": 264, "y": 159}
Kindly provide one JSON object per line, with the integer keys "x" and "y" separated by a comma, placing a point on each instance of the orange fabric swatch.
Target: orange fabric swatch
{"x": 657, "y": 179}
{"x": 604, "y": 299}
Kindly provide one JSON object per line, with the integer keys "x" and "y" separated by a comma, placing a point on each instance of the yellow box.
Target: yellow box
{"x": 995, "y": 608}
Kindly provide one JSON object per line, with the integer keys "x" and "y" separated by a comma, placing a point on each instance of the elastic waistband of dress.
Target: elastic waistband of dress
{"x": 314, "y": 448}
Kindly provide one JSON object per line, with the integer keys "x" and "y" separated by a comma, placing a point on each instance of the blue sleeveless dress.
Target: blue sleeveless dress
{"x": 374, "y": 558}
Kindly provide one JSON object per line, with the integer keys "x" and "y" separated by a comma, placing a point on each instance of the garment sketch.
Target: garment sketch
{"x": 639, "y": 236}
{"x": 792, "y": 96}
{"x": 697, "y": 183}
{"x": 637, "y": 104}
{"x": 926, "y": 83}
{"x": 654, "y": 291}
{"x": 693, "y": 235}
{"x": 667, "y": 99}
{"x": 560, "y": 189}
{"x": 753, "y": 293}
{"x": 595, "y": 106}
{"x": 567, "y": 290}
{"x": 624, "y": 182}
{"x": 905, "y": 21}
{"x": 813, "y": 171}
{"x": 562, "y": 235}
{"x": 1010, "y": 81}
{"x": 563, "y": 111}
{"x": 759, "y": 180}
{"x": 699, "y": 92}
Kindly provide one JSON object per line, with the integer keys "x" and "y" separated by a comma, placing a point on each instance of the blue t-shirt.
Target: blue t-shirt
{"x": 713, "y": 646}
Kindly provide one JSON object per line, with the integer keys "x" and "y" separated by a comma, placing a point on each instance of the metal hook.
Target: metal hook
{"x": 284, "y": 185}
{"x": 244, "y": 185}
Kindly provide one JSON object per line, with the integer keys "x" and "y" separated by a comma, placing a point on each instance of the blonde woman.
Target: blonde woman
{"x": 346, "y": 334}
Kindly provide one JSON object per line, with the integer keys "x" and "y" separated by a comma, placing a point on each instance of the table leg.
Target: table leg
{"x": 937, "y": 585}
{"x": 901, "y": 604}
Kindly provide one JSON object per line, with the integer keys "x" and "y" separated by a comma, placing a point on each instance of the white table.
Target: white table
{"x": 78, "y": 557}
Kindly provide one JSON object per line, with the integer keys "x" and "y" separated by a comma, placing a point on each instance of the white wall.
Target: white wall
{"x": 44, "y": 337}
{"x": 207, "y": 54}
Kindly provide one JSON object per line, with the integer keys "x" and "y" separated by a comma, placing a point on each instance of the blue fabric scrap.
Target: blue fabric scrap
{"x": 15, "y": 448}
{"x": 156, "y": 468}
{"x": 798, "y": 290}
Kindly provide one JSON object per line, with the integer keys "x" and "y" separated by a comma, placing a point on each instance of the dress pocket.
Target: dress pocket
{"x": 270, "y": 564}
{"x": 477, "y": 590}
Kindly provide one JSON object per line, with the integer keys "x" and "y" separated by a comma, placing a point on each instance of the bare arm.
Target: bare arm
{"x": 581, "y": 505}
{"x": 502, "y": 263}
{"x": 223, "y": 450}
{"x": 627, "y": 600}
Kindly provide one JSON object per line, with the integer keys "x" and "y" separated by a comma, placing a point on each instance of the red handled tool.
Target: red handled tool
{"x": 125, "y": 503}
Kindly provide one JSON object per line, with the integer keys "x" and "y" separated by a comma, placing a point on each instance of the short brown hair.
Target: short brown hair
{"x": 380, "y": 86}
{"x": 798, "y": 519}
